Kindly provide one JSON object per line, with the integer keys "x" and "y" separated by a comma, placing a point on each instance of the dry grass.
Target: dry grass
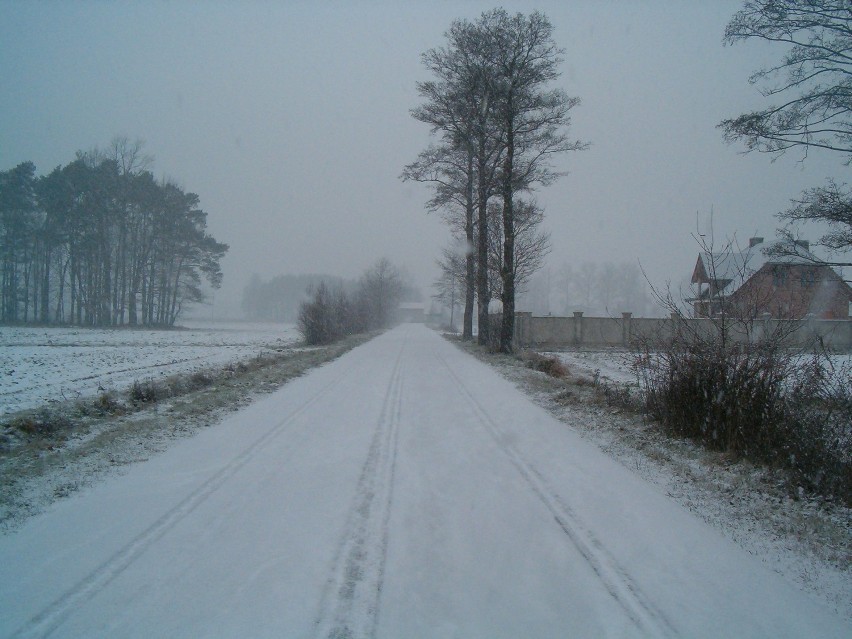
{"x": 546, "y": 364}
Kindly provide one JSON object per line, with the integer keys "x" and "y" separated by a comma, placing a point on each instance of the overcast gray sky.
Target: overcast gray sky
{"x": 291, "y": 121}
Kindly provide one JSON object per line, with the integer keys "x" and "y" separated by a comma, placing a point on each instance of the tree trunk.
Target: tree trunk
{"x": 482, "y": 291}
{"x": 176, "y": 288}
{"x": 45, "y": 287}
{"x": 59, "y": 317}
{"x": 507, "y": 328}
{"x": 470, "y": 261}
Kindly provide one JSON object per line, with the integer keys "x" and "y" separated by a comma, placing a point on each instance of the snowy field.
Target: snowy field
{"x": 43, "y": 365}
{"x": 614, "y": 366}
{"x": 604, "y": 365}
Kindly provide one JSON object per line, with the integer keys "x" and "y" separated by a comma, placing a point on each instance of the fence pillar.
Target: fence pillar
{"x": 523, "y": 329}
{"x": 578, "y": 328}
{"x": 675, "y": 319}
{"x": 625, "y": 328}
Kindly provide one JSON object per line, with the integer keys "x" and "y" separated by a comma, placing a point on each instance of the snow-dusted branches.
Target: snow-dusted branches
{"x": 815, "y": 71}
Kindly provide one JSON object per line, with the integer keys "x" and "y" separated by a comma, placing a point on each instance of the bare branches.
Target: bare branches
{"x": 831, "y": 205}
{"x": 533, "y": 121}
{"x": 532, "y": 244}
{"x": 500, "y": 124}
{"x": 817, "y": 65}
{"x": 816, "y": 71}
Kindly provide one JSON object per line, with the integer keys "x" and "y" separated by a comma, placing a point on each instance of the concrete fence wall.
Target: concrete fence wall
{"x": 554, "y": 333}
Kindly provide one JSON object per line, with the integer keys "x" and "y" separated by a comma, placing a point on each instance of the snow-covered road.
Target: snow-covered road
{"x": 404, "y": 490}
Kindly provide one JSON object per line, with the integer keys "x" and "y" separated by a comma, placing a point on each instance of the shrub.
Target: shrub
{"x": 549, "y": 365}
{"x": 332, "y": 315}
{"x": 820, "y": 427}
{"x": 145, "y": 391}
{"x": 317, "y": 318}
{"x": 754, "y": 399}
{"x": 729, "y": 398}
{"x": 759, "y": 402}
{"x": 107, "y": 404}
{"x": 200, "y": 379}
{"x": 619, "y": 396}
{"x": 43, "y": 424}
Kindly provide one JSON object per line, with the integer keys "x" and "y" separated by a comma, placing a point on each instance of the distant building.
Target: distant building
{"x": 759, "y": 281}
{"x": 412, "y": 312}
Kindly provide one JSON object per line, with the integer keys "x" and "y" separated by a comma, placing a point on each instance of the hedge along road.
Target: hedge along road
{"x": 403, "y": 490}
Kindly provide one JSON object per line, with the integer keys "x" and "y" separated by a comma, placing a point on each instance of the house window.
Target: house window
{"x": 808, "y": 278}
{"x": 779, "y": 277}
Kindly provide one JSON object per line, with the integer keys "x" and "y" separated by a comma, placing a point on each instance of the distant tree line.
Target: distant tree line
{"x": 101, "y": 242}
{"x": 332, "y": 313}
{"x": 604, "y": 289}
{"x": 279, "y": 298}
{"x": 499, "y": 122}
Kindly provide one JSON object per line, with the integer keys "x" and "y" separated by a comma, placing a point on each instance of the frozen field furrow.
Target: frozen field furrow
{"x": 44, "y": 365}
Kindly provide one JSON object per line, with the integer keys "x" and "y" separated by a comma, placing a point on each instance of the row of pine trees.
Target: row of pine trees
{"x": 101, "y": 242}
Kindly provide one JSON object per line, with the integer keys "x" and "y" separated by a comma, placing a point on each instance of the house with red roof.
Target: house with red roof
{"x": 768, "y": 279}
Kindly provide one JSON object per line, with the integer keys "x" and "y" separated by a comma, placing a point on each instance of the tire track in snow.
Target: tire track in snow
{"x": 46, "y": 622}
{"x": 349, "y": 607}
{"x": 618, "y": 583}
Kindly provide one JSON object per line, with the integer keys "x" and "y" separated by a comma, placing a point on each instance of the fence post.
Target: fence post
{"x": 625, "y": 328}
{"x": 674, "y": 318}
{"x": 578, "y": 328}
{"x": 523, "y": 329}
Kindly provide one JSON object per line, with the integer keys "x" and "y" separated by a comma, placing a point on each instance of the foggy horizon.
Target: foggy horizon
{"x": 292, "y": 123}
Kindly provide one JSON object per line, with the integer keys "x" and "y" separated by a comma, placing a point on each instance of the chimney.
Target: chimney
{"x": 804, "y": 244}
{"x": 754, "y": 241}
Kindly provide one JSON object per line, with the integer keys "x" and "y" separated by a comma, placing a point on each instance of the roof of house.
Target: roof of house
{"x": 729, "y": 270}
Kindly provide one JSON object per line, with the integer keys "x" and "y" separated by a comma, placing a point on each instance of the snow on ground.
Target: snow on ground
{"x": 806, "y": 539}
{"x": 608, "y": 365}
{"x": 42, "y": 365}
{"x": 405, "y": 489}
{"x": 614, "y": 365}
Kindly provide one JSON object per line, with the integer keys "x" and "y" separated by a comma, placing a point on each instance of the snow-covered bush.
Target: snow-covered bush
{"x": 41, "y": 423}
{"x": 733, "y": 383}
{"x": 729, "y": 398}
{"x": 332, "y": 315}
{"x": 329, "y": 316}
{"x": 820, "y": 425}
{"x": 146, "y": 391}
{"x": 756, "y": 401}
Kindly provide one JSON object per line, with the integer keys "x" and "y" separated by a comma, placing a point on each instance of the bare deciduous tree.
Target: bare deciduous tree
{"x": 532, "y": 120}
{"x": 450, "y": 170}
{"x": 814, "y": 83}
{"x": 492, "y": 103}
{"x": 451, "y": 283}
{"x": 382, "y": 287}
{"x": 458, "y": 105}
{"x": 532, "y": 244}
{"x": 830, "y": 204}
